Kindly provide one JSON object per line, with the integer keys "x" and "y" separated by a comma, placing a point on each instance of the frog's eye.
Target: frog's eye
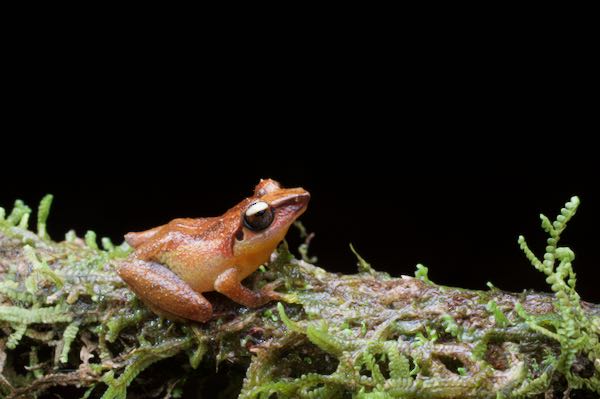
{"x": 258, "y": 216}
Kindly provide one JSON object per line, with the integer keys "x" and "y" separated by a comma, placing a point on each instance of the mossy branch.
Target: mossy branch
{"x": 66, "y": 319}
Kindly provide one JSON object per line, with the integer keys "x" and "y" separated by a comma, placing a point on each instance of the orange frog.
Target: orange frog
{"x": 174, "y": 263}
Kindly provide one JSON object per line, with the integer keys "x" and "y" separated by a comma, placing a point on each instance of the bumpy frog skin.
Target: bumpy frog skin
{"x": 174, "y": 263}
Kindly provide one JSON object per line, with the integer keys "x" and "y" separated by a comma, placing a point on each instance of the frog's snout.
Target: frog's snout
{"x": 299, "y": 203}
{"x": 303, "y": 199}
{"x": 294, "y": 199}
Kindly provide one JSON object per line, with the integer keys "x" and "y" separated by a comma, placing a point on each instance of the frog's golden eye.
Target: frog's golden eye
{"x": 258, "y": 216}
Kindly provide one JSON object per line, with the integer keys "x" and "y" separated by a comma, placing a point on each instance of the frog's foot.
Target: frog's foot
{"x": 229, "y": 284}
{"x": 268, "y": 290}
{"x": 164, "y": 292}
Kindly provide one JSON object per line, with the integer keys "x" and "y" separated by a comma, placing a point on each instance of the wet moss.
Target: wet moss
{"x": 67, "y": 320}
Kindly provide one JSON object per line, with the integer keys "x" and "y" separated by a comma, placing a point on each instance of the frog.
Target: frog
{"x": 172, "y": 265}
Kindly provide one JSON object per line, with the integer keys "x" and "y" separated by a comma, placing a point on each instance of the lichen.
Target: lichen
{"x": 65, "y": 311}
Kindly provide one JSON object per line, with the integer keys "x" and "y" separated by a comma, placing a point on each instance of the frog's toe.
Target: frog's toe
{"x": 268, "y": 290}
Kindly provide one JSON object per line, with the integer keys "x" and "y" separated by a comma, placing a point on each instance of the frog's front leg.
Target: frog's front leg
{"x": 164, "y": 291}
{"x": 229, "y": 284}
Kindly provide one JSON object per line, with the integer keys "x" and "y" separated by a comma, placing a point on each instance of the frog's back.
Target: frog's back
{"x": 182, "y": 225}
{"x": 197, "y": 250}
{"x": 210, "y": 233}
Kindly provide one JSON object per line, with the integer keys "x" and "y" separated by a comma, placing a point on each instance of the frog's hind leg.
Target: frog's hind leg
{"x": 164, "y": 291}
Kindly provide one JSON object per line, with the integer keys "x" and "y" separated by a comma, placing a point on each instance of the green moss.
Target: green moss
{"x": 39, "y": 271}
{"x": 19, "y": 211}
{"x": 46, "y": 315}
{"x": 372, "y": 367}
{"x": 142, "y": 358}
{"x": 68, "y": 337}
{"x": 197, "y": 355}
{"x": 42, "y": 218}
{"x": 90, "y": 239}
{"x": 15, "y": 337}
{"x": 366, "y": 335}
{"x": 451, "y": 327}
{"x": 34, "y": 363}
{"x": 125, "y": 318}
{"x": 499, "y": 317}
{"x": 573, "y": 329}
{"x": 363, "y": 265}
{"x": 422, "y": 272}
